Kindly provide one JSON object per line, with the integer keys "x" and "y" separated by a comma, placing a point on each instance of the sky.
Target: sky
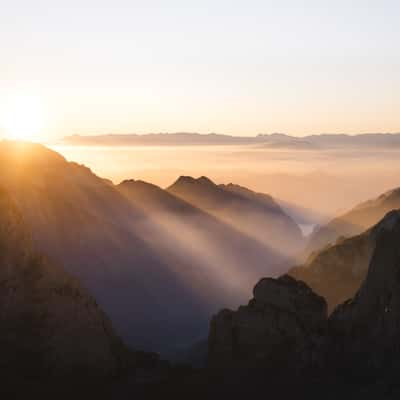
{"x": 234, "y": 67}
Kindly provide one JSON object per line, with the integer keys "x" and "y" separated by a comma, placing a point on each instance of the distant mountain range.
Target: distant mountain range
{"x": 272, "y": 141}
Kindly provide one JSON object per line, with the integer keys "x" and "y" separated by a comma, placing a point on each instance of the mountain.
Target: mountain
{"x": 157, "y": 279}
{"x": 279, "y": 329}
{"x": 364, "y": 331}
{"x": 284, "y": 340}
{"x": 255, "y": 214}
{"x": 274, "y": 140}
{"x": 50, "y": 325}
{"x": 356, "y": 220}
{"x": 336, "y": 271}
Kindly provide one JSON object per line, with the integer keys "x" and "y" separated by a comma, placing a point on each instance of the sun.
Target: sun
{"x": 22, "y": 118}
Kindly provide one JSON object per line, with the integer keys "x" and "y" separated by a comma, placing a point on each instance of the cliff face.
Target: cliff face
{"x": 285, "y": 325}
{"x": 280, "y": 328}
{"x": 49, "y": 324}
{"x": 364, "y": 331}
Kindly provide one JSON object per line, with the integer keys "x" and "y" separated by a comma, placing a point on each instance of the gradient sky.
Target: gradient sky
{"x": 238, "y": 67}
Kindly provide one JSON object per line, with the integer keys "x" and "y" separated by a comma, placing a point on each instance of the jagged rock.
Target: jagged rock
{"x": 364, "y": 332}
{"x": 49, "y": 324}
{"x": 280, "y": 328}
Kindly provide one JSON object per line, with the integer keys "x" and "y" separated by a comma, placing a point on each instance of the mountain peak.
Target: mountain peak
{"x": 189, "y": 180}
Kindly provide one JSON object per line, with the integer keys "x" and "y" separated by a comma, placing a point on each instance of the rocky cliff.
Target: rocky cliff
{"x": 280, "y": 328}
{"x": 285, "y": 326}
{"x": 364, "y": 331}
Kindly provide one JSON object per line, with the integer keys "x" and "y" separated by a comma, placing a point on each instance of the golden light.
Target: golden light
{"x": 22, "y": 118}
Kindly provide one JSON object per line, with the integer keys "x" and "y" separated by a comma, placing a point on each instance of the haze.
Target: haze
{"x": 322, "y": 182}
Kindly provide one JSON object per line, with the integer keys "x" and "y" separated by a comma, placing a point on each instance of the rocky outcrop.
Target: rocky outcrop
{"x": 280, "y": 329}
{"x": 50, "y": 325}
{"x": 364, "y": 332}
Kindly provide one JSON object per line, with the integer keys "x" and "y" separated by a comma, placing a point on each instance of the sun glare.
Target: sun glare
{"x": 22, "y": 118}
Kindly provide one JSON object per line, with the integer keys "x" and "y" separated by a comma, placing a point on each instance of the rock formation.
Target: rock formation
{"x": 280, "y": 328}
{"x": 364, "y": 332}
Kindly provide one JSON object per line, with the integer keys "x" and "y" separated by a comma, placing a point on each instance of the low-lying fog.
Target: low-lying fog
{"x": 319, "y": 183}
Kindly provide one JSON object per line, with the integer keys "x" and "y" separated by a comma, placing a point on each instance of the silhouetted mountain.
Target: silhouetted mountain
{"x": 275, "y": 140}
{"x": 158, "y": 279}
{"x": 355, "y": 221}
{"x": 283, "y": 336}
{"x": 50, "y": 325}
{"x": 364, "y": 331}
{"x": 255, "y": 214}
{"x": 280, "y": 328}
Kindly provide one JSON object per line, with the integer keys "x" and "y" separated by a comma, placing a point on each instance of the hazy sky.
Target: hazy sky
{"x": 240, "y": 67}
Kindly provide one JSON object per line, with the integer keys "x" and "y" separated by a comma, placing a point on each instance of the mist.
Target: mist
{"x": 312, "y": 185}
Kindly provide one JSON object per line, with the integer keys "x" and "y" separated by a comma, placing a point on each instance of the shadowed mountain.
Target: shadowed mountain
{"x": 158, "y": 278}
{"x": 283, "y": 336}
{"x": 255, "y": 214}
{"x": 50, "y": 326}
{"x": 337, "y": 270}
{"x": 365, "y": 330}
{"x": 355, "y": 221}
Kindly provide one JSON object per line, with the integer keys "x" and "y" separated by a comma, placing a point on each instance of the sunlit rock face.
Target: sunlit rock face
{"x": 255, "y": 214}
{"x": 49, "y": 324}
{"x": 365, "y": 331}
{"x": 280, "y": 329}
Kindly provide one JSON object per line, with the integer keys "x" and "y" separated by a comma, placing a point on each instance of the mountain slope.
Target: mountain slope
{"x": 49, "y": 324}
{"x": 255, "y": 214}
{"x": 157, "y": 279}
{"x": 365, "y": 330}
{"x": 356, "y": 220}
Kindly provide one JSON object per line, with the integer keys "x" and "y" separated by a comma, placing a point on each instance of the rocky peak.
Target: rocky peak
{"x": 282, "y": 323}
{"x": 365, "y": 330}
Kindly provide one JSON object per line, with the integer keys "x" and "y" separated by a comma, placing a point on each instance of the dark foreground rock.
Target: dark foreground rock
{"x": 364, "y": 332}
{"x": 280, "y": 328}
